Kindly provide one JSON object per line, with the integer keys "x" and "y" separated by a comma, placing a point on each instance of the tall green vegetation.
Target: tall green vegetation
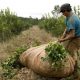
{"x": 11, "y": 24}
{"x": 55, "y": 24}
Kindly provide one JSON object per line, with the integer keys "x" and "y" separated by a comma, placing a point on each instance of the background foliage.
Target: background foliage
{"x": 11, "y": 24}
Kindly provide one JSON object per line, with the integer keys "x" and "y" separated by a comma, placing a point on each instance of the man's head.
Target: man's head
{"x": 65, "y": 9}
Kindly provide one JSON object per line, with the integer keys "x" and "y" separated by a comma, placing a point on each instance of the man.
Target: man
{"x": 71, "y": 35}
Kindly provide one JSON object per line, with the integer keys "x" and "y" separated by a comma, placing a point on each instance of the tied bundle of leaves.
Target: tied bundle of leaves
{"x": 55, "y": 52}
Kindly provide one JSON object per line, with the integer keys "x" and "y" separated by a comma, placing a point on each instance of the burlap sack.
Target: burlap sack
{"x": 32, "y": 59}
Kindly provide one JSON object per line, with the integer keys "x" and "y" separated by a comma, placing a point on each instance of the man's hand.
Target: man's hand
{"x": 68, "y": 36}
{"x": 60, "y": 40}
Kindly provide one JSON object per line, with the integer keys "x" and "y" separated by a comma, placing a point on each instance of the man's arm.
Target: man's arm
{"x": 64, "y": 34}
{"x": 70, "y": 35}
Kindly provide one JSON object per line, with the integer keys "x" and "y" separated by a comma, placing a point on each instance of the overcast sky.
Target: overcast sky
{"x": 33, "y": 8}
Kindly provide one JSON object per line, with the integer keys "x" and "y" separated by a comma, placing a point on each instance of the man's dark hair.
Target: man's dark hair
{"x": 65, "y": 7}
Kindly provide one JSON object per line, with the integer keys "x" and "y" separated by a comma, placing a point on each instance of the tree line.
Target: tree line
{"x": 11, "y": 24}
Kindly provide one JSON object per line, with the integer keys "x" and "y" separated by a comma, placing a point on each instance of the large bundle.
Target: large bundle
{"x": 33, "y": 59}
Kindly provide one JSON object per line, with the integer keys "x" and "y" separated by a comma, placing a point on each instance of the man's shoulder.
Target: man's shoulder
{"x": 73, "y": 18}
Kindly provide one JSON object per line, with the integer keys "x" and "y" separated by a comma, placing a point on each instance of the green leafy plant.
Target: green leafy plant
{"x": 12, "y": 64}
{"x": 55, "y": 52}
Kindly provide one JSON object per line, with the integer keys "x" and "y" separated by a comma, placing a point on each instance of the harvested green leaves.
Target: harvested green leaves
{"x": 55, "y": 52}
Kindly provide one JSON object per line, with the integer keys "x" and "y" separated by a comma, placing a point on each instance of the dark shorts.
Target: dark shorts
{"x": 73, "y": 46}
